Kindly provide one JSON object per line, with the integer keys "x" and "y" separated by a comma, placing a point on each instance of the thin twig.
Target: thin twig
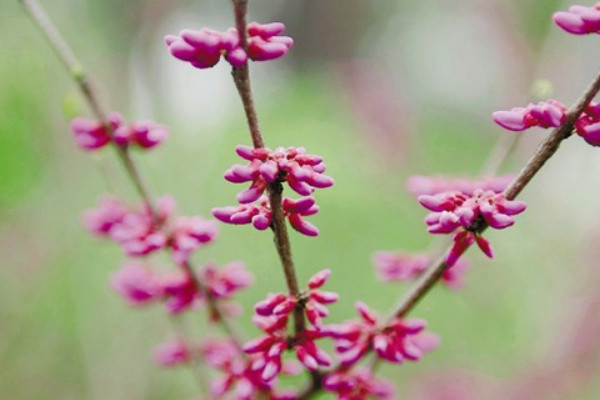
{"x": 77, "y": 73}
{"x": 241, "y": 77}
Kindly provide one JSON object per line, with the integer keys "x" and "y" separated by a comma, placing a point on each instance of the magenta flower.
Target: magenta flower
{"x": 399, "y": 267}
{"x": 400, "y": 340}
{"x": 454, "y": 210}
{"x": 358, "y": 384}
{"x": 579, "y": 20}
{"x": 259, "y": 214}
{"x": 418, "y": 185}
{"x": 588, "y": 124}
{"x": 143, "y": 134}
{"x": 171, "y": 353}
{"x": 203, "y": 48}
{"x": 137, "y": 283}
{"x": 180, "y": 291}
{"x": 93, "y": 134}
{"x": 545, "y": 114}
{"x": 303, "y": 172}
{"x": 224, "y": 282}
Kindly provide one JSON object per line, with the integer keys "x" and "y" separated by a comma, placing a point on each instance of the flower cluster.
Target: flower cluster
{"x": 92, "y": 134}
{"x": 140, "y": 284}
{"x": 203, "y": 48}
{"x": 395, "y": 342}
{"x": 545, "y": 114}
{"x": 579, "y": 20}
{"x": 272, "y": 318}
{"x": 171, "y": 353}
{"x": 419, "y": 185}
{"x": 358, "y": 385}
{"x": 140, "y": 232}
{"x": 303, "y": 172}
{"x": 260, "y": 214}
{"x": 454, "y": 210}
{"x": 398, "y": 267}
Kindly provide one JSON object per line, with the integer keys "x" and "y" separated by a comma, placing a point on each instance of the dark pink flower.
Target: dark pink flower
{"x": 588, "y": 124}
{"x": 397, "y": 341}
{"x": 259, "y": 214}
{"x": 93, "y": 134}
{"x": 137, "y": 283}
{"x": 303, "y": 172}
{"x": 264, "y": 42}
{"x": 545, "y": 114}
{"x": 143, "y": 134}
{"x": 171, "y": 353}
{"x": 579, "y": 20}
{"x": 358, "y": 384}
{"x": 180, "y": 291}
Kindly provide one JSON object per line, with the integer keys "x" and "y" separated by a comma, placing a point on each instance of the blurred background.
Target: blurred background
{"x": 382, "y": 90}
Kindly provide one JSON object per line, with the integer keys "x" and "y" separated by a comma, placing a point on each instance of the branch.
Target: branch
{"x": 241, "y": 77}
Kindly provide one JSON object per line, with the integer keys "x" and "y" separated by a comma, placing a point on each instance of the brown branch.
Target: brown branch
{"x": 241, "y": 77}
{"x": 72, "y": 64}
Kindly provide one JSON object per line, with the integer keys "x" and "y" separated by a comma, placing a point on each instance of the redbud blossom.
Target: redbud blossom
{"x": 397, "y": 341}
{"x": 188, "y": 234}
{"x": 588, "y": 124}
{"x": 93, "y": 134}
{"x": 545, "y": 114}
{"x": 203, "y": 48}
{"x": 358, "y": 384}
{"x": 259, "y": 214}
{"x": 303, "y": 172}
{"x": 398, "y": 267}
{"x": 454, "y": 210}
{"x": 579, "y": 20}
{"x": 171, "y": 353}
{"x": 224, "y": 282}
{"x": 137, "y": 283}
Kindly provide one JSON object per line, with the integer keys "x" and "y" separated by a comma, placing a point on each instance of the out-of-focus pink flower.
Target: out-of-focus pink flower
{"x": 303, "y": 172}
{"x": 93, "y": 134}
{"x": 579, "y": 20}
{"x": 399, "y": 267}
{"x": 189, "y": 234}
{"x": 419, "y": 184}
{"x": 259, "y": 214}
{"x": 180, "y": 291}
{"x": 143, "y": 134}
{"x": 224, "y": 282}
{"x": 203, "y": 48}
{"x": 137, "y": 283}
{"x": 545, "y": 114}
{"x": 400, "y": 340}
{"x": 358, "y": 384}
{"x": 102, "y": 219}
{"x": 171, "y": 353}
{"x": 454, "y": 210}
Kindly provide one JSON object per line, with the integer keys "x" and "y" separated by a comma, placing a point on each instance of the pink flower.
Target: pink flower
{"x": 137, "y": 283}
{"x": 588, "y": 124}
{"x": 110, "y": 212}
{"x": 358, "y": 384}
{"x": 545, "y": 114}
{"x": 454, "y": 210}
{"x": 143, "y": 134}
{"x": 418, "y": 185}
{"x": 224, "y": 282}
{"x": 400, "y": 340}
{"x": 579, "y": 20}
{"x": 302, "y": 171}
{"x": 180, "y": 291}
{"x": 93, "y": 134}
{"x": 171, "y": 353}
{"x": 189, "y": 234}
{"x": 259, "y": 214}
{"x": 203, "y": 48}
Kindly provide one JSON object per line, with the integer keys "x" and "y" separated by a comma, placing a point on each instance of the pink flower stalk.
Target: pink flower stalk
{"x": 419, "y": 185}
{"x": 358, "y": 384}
{"x": 588, "y": 124}
{"x": 92, "y": 134}
{"x": 545, "y": 114}
{"x": 303, "y": 172}
{"x": 312, "y": 300}
{"x": 454, "y": 210}
{"x": 400, "y": 267}
{"x": 259, "y": 214}
{"x": 579, "y": 20}
{"x": 137, "y": 283}
{"x": 171, "y": 353}
{"x": 203, "y": 48}
{"x": 188, "y": 234}
{"x": 400, "y": 340}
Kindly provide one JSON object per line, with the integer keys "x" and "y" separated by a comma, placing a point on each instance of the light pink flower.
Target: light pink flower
{"x": 579, "y": 20}
{"x": 188, "y": 234}
{"x": 143, "y": 134}
{"x": 358, "y": 384}
{"x": 137, "y": 283}
{"x": 545, "y": 114}
{"x": 171, "y": 353}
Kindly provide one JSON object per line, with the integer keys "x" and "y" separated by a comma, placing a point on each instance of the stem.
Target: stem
{"x": 75, "y": 69}
{"x": 241, "y": 77}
